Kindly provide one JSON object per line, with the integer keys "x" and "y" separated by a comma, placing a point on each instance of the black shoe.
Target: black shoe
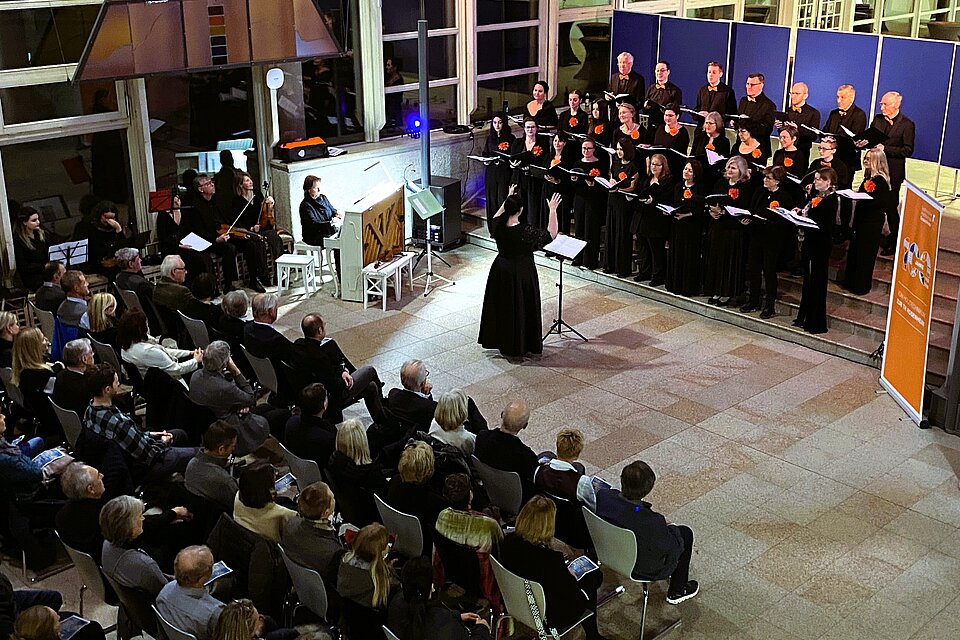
{"x": 748, "y": 308}
{"x": 657, "y": 282}
{"x": 642, "y": 277}
{"x": 766, "y": 314}
{"x": 689, "y": 590}
{"x": 887, "y": 251}
{"x": 724, "y": 302}
{"x": 797, "y": 323}
{"x": 257, "y": 286}
{"x": 715, "y": 301}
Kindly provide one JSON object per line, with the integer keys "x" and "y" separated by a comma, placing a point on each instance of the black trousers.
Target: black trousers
{"x": 681, "y": 575}
{"x": 764, "y": 253}
{"x": 893, "y": 214}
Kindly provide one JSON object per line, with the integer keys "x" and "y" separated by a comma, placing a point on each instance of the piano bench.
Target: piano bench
{"x": 289, "y": 263}
{"x": 377, "y": 279}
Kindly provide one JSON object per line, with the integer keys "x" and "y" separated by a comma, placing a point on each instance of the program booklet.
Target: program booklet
{"x": 220, "y": 569}
{"x": 581, "y": 566}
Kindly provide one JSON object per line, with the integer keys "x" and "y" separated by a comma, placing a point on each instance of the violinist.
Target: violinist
{"x": 206, "y": 220}
{"x": 257, "y": 212}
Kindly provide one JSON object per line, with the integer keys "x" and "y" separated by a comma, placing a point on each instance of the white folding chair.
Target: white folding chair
{"x": 44, "y": 319}
{"x": 70, "y": 421}
{"x": 106, "y": 353}
{"x": 266, "y": 374}
{"x": 90, "y": 577}
{"x": 130, "y": 299}
{"x": 309, "y": 586}
{"x": 170, "y": 630}
{"x": 390, "y": 635}
{"x": 503, "y": 487}
{"x": 306, "y": 472}
{"x": 406, "y": 527}
{"x": 197, "y": 331}
{"x": 617, "y": 549}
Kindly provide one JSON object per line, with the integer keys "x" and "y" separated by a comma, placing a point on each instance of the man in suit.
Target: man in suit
{"x": 849, "y": 116}
{"x": 900, "y": 132}
{"x": 207, "y": 474}
{"x": 626, "y": 80}
{"x": 502, "y": 448}
{"x": 71, "y": 391}
{"x": 73, "y": 310}
{"x": 130, "y": 276}
{"x": 800, "y": 113}
{"x": 659, "y": 94}
{"x": 317, "y": 357}
{"x": 259, "y": 336}
{"x": 49, "y": 296}
{"x": 663, "y": 549}
{"x": 170, "y": 293}
{"x": 414, "y": 403}
{"x": 715, "y": 95}
{"x": 759, "y": 108}
{"x": 78, "y": 521}
{"x": 308, "y": 434}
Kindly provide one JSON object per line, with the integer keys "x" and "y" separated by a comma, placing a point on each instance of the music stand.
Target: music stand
{"x": 426, "y": 205}
{"x": 564, "y": 248}
{"x": 70, "y": 253}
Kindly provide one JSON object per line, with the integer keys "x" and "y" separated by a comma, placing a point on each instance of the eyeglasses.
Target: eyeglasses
{"x": 754, "y": 84}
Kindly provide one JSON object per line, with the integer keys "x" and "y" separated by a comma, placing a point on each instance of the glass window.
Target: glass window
{"x": 505, "y": 50}
{"x": 712, "y": 13}
{"x": 330, "y": 90}
{"x": 57, "y": 177}
{"x": 56, "y": 100}
{"x": 400, "y": 16}
{"x": 502, "y": 94}
{"x": 39, "y": 37}
{"x": 761, "y": 11}
{"x": 897, "y": 27}
{"x": 498, "y": 11}
{"x": 897, "y": 7}
{"x": 402, "y": 108}
{"x": 584, "y": 57}
{"x": 573, "y": 4}
{"x": 441, "y": 58}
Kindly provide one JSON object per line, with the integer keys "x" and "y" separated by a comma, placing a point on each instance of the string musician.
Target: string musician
{"x": 256, "y": 212}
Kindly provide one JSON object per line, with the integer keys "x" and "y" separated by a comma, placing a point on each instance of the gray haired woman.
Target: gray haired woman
{"x": 121, "y": 523}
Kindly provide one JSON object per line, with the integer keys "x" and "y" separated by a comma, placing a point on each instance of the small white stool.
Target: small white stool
{"x": 289, "y": 263}
{"x": 324, "y": 262}
{"x": 377, "y": 280}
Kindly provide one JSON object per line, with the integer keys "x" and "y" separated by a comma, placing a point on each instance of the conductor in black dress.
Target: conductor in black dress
{"x": 626, "y": 80}
{"x": 511, "y": 316}
{"x": 760, "y": 109}
{"x": 850, "y": 116}
{"x": 661, "y": 93}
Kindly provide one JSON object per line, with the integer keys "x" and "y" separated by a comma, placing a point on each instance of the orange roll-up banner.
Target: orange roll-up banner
{"x": 911, "y": 302}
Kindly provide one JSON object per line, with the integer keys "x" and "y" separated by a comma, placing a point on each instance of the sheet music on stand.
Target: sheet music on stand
{"x": 69, "y": 253}
{"x": 566, "y": 246}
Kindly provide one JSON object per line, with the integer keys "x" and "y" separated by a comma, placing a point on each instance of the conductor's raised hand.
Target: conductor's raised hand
{"x": 554, "y": 201}
{"x": 512, "y": 190}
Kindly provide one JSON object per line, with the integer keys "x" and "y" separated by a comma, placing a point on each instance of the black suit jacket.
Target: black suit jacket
{"x": 49, "y": 298}
{"x": 72, "y": 392}
{"x": 763, "y": 112}
{"x": 323, "y": 362}
{"x": 312, "y": 438}
{"x": 898, "y": 146}
{"x": 854, "y": 119}
{"x": 723, "y": 100}
{"x": 78, "y": 524}
{"x": 412, "y": 408}
{"x": 659, "y": 545}
{"x": 263, "y": 341}
{"x": 634, "y": 85}
{"x": 507, "y": 452}
{"x": 233, "y": 329}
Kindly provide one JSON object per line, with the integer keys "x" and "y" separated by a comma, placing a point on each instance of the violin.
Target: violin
{"x": 236, "y": 232}
{"x": 267, "y": 219}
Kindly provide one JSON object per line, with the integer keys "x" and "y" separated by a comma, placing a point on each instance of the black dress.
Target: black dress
{"x": 546, "y": 116}
{"x": 815, "y": 254}
{"x": 497, "y": 174}
{"x": 601, "y": 132}
{"x": 868, "y": 219}
{"x": 756, "y": 157}
{"x": 251, "y": 218}
{"x": 619, "y": 237}
{"x": 530, "y": 187}
{"x": 686, "y": 241}
{"x": 589, "y": 212}
{"x": 511, "y": 316}
{"x": 725, "y": 263}
{"x": 30, "y": 260}
{"x": 564, "y": 188}
{"x": 719, "y": 145}
{"x": 653, "y": 230}
{"x": 677, "y": 140}
{"x": 765, "y": 242}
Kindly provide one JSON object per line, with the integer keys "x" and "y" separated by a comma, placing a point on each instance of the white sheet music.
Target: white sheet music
{"x": 483, "y": 159}
{"x": 713, "y": 157}
{"x": 798, "y": 220}
{"x": 854, "y": 195}
{"x": 565, "y": 246}
{"x": 69, "y": 253}
{"x": 195, "y": 242}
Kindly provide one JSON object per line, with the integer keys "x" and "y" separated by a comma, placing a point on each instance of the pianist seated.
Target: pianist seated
{"x": 318, "y": 217}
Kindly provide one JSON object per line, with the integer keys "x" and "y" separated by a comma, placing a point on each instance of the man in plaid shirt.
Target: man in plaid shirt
{"x": 151, "y": 449}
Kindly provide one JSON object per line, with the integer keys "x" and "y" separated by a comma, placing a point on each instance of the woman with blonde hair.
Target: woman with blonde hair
{"x": 413, "y": 490}
{"x": 32, "y": 373}
{"x": 247, "y": 203}
{"x": 9, "y": 328}
{"x": 29, "y": 248}
{"x": 365, "y": 575}
{"x": 355, "y": 475}
{"x": 239, "y": 620}
{"x": 448, "y": 421}
{"x": 869, "y": 218}
{"x": 37, "y": 623}
{"x": 102, "y": 312}
{"x": 527, "y": 553}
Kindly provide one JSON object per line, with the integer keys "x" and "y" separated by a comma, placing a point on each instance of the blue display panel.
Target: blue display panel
{"x": 827, "y": 59}
{"x": 763, "y": 48}
{"x": 688, "y": 45}
{"x": 918, "y": 69}
{"x": 951, "y": 146}
{"x": 637, "y": 33}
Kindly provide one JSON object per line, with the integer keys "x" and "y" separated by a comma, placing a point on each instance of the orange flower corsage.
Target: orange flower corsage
{"x": 503, "y": 146}
{"x": 635, "y": 134}
{"x": 594, "y": 173}
{"x": 674, "y": 132}
{"x": 869, "y": 186}
{"x": 733, "y": 193}
{"x": 555, "y": 162}
{"x": 573, "y": 122}
{"x": 756, "y": 153}
{"x": 598, "y": 129}
{"x": 711, "y": 147}
{"x": 774, "y": 204}
{"x": 687, "y": 194}
{"x": 622, "y": 175}
{"x": 816, "y": 201}
{"x": 788, "y": 162}
{"x": 537, "y": 151}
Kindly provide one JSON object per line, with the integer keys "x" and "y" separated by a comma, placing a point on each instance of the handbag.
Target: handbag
{"x": 542, "y": 633}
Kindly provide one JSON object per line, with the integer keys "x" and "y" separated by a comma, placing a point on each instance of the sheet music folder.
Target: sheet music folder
{"x": 70, "y": 253}
{"x": 565, "y": 246}
{"x": 425, "y": 204}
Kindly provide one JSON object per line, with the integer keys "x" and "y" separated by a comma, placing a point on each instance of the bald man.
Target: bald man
{"x": 900, "y": 132}
{"x": 502, "y": 448}
{"x": 800, "y": 113}
{"x": 185, "y": 601}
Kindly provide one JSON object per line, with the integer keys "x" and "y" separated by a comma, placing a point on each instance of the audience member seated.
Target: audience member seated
{"x": 29, "y": 247}
{"x": 78, "y": 522}
{"x": 527, "y": 553}
{"x": 240, "y": 620}
{"x": 663, "y": 548}
{"x": 414, "y": 613}
{"x": 32, "y": 374}
{"x": 201, "y": 307}
{"x": 50, "y": 295}
{"x": 142, "y": 351}
{"x": 170, "y": 293}
{"x": 448, "y": 422}
{"x": 185, "y": 601}
{"x": 502, "y": 448}
{"x": 102, "y": 314}
{"x": 156, "y": 450}
{"x": 131, "y": 277}
{"x": 121, "y": 523}
{"x": 320, "y": 358}
{"x": 355, "y": 476}
{"x": 43, "y": 623}
{"x": 564, "y": 475}
{"x": 9, "y": 328}
{"x": 411, "y": 491}
{"x": 365, "y": 575}
{"x": 105, "y": 234}
{"x": 414, "y": 403}
{"x": 207, "y": 474}
{"x": 13, "y": 602}
{"x": 460, "y": 523}
{"x": 234, "y": 322}
{"x": 310, "y": 539}
{"x": 308, "y": 434}
{"x": 73, "y": 310}
{"x": 259, "y": 336}
{"x": 72, "y": 390}
{"x": 254, "y": 507}
{"x": 220, "y": 387}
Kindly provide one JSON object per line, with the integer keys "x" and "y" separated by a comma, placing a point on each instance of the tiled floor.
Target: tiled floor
{"x": 819, "y": 509}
